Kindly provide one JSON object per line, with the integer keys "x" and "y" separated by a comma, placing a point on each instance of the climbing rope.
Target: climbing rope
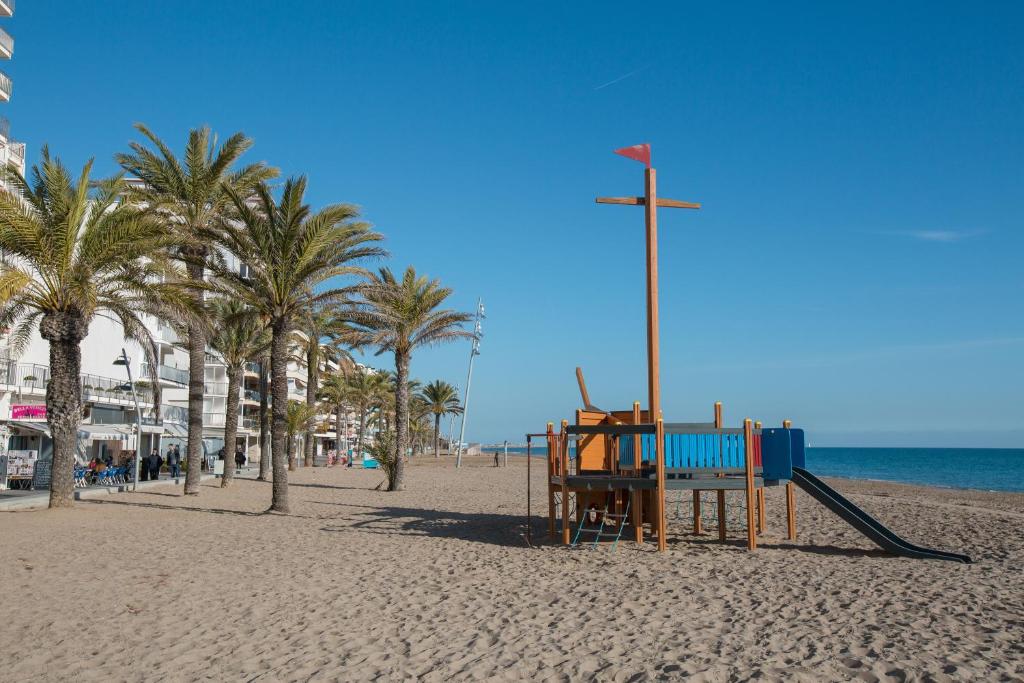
{"x": 735, "y": 515}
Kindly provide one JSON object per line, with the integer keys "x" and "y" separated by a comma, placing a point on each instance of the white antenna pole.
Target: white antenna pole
{"x": 473, "y": 352}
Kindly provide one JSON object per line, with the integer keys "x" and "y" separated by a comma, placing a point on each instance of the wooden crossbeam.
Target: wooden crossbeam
{"x": 641, "y": 201}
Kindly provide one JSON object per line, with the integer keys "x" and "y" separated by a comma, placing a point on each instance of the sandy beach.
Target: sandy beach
{"x": 437, "y": 583}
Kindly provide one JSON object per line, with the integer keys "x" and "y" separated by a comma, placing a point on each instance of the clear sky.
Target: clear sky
{"x": 857, "y": 265}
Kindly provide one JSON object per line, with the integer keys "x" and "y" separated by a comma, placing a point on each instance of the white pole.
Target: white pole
{"x": 138, "y": 419}
{"x": 474, "y": 351}
{"x": 506, "y": 452}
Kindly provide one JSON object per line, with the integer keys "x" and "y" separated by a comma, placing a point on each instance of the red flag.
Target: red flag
{"x": 640, "y": 153}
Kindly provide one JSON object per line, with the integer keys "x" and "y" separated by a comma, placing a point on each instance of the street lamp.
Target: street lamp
{"x": 123, "y": 360}
{"x": 478, "y": 333}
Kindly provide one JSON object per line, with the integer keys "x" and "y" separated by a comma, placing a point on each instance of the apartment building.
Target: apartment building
{"x": 11, "y": 151}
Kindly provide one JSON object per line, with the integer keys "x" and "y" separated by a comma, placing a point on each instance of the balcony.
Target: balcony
{"x": 6, "y": 45}
{"x": 6, "y": 8}
{"x": 169, "y": 413}
{"x": 169, "y": 377}
{"x": 252, "y": 369}
{"x": 5, "y": 129}
{"x": 213, "y": 419}
{"x": 215, "y": 388}
{"x": 32, "y": 379}
{"x": 5, "y": 87}
{"x": 252, "y": 396}
{"x": 165, "y": 333}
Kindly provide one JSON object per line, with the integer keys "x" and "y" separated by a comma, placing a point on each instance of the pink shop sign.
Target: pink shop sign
{"x": 32, "y": 412}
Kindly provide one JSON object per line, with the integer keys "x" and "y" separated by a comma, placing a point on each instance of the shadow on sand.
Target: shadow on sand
{"x": 186, "y": 508}
{"x": 477, "y": 527}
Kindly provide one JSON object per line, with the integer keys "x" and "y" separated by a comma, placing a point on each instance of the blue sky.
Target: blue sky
{"x": 857, "y": 263}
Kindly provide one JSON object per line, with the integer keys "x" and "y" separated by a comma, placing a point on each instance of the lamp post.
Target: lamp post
{"x": 123, "y": 360}
{"x": 478, "y": 332}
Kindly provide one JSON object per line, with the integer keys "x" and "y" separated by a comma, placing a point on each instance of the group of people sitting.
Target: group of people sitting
{"x": 149, "y": 466}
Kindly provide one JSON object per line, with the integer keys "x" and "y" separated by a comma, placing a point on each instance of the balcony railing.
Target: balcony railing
{"x": 215, "y": 388}
{"x": 5, "y": 86}
{"x": 251, "y": 395}
{"x": 166, "y": 372}
{"x": 97, "y": 388}
{"x": 177, "y": 414}
{"x": 5, "y": 127}
{"x": 35, "y": 377}
{"x": 252, "y": 367}
{"x": 6, "y": 8}
{"x": 6, "y": 43}
{"x": 213, "y": 419}
{"x": 251, "y": 422}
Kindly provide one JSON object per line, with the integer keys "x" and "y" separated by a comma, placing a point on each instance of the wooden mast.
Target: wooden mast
{"x": 650, "y": 202}
{"x": 653, "y": 361}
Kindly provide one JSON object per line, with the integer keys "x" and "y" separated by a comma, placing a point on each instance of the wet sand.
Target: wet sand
{"x": 437, "y": 582}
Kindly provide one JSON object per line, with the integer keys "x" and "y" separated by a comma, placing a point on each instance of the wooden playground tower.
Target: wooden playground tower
{"x": 615, "y": 468}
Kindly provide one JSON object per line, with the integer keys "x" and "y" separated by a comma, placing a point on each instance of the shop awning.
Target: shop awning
{"x": 40, "y": 427}
{"x": 103, "y": 432}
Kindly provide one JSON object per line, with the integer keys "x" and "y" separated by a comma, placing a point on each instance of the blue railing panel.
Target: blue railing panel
{"x": 687, "y": 451}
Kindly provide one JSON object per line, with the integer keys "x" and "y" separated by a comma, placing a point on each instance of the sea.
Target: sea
{"x": 987, "y": 469}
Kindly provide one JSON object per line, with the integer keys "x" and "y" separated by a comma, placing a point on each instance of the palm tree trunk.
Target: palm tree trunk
{"x": 339, "y": 424}
{"x": 64, "y": 400}
{"x": 401, "y": 419}
{"x": 279, "y": 410}
{"x": 265, "y": 449}
{"x": 196, "y": 378}
{"x": 231, "y": 425}
{"x": 312, "y": 379}
{"x": 437, "y": 435}
{"x": 362, "y": 431}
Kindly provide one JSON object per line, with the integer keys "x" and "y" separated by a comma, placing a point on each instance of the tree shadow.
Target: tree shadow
{"x": 830, "y": 550}
{"x": 185, "y": 508}
{"x": 329, "y": 486}
{"x": 489, "y": 528}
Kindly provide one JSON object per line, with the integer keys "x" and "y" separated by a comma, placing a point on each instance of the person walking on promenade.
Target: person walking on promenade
{"x": 154, "y": 461}
{"x": 239, "y": 458}
{"x": 173, "y": 467}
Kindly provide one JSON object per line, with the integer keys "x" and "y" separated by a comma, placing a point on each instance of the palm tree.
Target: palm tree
{"x": 265, "y": 466}
{"x": 291, "y": 252}
{"x": 69, "y": 251}
{"x": 298, "y": 418}
{"x": 318, "y": 325}
{"x": 401, "y": 316}
{"x": 336, "y": 394}
{"x": 365, "y": 389}
{"x": 441, "y": 399}
{"x": 192, "y": 199}
{"x": 238, "y": 337}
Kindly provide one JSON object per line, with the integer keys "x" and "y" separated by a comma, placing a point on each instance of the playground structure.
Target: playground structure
{"x": 612, "y": 470}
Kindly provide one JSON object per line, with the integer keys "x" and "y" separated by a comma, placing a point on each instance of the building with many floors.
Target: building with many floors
{"x": 11, "y": 151}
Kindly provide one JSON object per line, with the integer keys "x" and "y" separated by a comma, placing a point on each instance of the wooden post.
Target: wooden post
{"x": 698, "y": 527}
{"x": 762, "y": 523}
{"x": 638, "y": 495}
{"x": 748, "y": 443}
{"x": 552, "y": 454}
{"x": 651, "y": 218}
{"x": 564, "y": 439}
{"x": 721, "y": 492}
{"x": 790, "y": 500}
{"x": 659, "y": 440}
